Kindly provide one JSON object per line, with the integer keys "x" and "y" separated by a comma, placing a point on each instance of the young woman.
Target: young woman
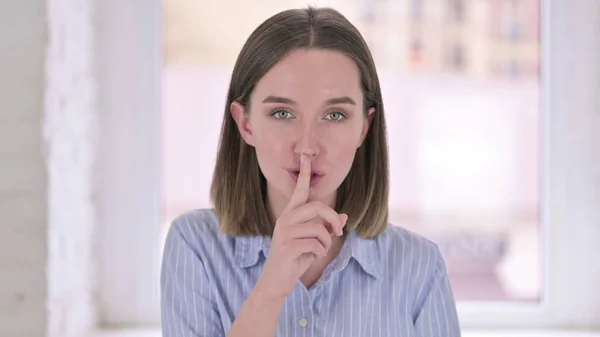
{"x": 298, "y": 242}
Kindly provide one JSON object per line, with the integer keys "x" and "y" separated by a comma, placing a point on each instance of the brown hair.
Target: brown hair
{"x": 238, "y": 190}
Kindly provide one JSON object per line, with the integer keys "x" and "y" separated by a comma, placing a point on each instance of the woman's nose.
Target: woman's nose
{"x": 307, "y": 142}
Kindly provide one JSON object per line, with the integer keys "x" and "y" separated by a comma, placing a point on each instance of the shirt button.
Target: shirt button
{"x": 302, "y": 322}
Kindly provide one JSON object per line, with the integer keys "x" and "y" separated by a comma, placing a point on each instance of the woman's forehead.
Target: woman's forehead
{"x": 311, "y": 74}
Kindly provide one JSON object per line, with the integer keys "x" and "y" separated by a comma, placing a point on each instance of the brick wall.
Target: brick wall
{"x": 46, "y": 158}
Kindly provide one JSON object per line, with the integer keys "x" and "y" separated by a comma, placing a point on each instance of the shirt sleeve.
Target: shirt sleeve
{"x": 438, "y": 316}
{"x": 187, "y": 303}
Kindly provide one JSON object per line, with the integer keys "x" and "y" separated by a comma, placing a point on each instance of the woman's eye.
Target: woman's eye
{"x": 335, "y": 116}
{"x": 282, "y": 114}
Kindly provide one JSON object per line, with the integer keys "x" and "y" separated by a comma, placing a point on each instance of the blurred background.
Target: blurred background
{"x": 461, "y": 87}
{"x": 111, "y": 117}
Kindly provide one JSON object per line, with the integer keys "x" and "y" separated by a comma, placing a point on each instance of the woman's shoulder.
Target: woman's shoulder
{"x": 197, "y": 228}
{"x": 414, "y": 249}
{"x": 197, "y": 221}
{"x": 398, "y": 235}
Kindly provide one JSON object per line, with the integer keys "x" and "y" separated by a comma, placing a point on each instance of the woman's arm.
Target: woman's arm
{"x": 259, "y": 315}
{"x": 296, "y": 244}
{"x": 437, "y": 316}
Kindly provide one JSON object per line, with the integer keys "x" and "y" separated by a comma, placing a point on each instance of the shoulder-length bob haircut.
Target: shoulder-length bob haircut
{"x": 238, "y": 189}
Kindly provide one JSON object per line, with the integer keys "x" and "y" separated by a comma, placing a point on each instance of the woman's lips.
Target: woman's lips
{"x": 314, "y": 177}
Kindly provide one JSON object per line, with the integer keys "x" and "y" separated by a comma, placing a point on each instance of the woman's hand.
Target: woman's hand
{"x": 302, "y": 235}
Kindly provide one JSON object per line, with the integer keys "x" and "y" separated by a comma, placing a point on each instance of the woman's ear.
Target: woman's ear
{"x": 365, "y": 130}
{"x": 241, "y": 117}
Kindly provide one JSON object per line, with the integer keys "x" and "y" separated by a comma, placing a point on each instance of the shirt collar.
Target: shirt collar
{"x": 364, "y": 251}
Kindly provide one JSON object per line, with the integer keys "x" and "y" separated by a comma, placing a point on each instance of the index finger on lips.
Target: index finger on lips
{"x": 302, "y": 190}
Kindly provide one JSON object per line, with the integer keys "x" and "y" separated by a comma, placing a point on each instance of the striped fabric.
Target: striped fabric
{"x": 395, "y": 285}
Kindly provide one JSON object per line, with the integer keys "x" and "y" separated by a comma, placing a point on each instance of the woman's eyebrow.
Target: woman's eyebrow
{"x": 340, "y": 100}
{"x": 277, "y": 99}
{"x": 331, "y": 101}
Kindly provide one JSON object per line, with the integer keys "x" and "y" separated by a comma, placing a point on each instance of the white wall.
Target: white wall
{"x": 129, "y": 50}
{"x": 70, "y": 129}
{"x": 47, "y": 116}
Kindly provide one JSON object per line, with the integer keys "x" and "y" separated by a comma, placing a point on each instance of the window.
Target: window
{"x": 503, "y": 206}
{"x": 368, "y": 11}
{"x": 457, "y": 8}
{"x": 416, "y": 53}
{"x": 416, "y": 9}
{"x": 457, "y": 56}
{"x": 465, "y": 162}
{"x": 513, "y": 68}
{"x": 513, "y": 30}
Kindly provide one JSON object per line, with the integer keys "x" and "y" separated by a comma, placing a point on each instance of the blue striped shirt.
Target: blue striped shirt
{"x": 394, "y": 285}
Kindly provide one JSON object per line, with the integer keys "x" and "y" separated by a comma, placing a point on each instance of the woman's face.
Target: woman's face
{"x": 310, "y": 103}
